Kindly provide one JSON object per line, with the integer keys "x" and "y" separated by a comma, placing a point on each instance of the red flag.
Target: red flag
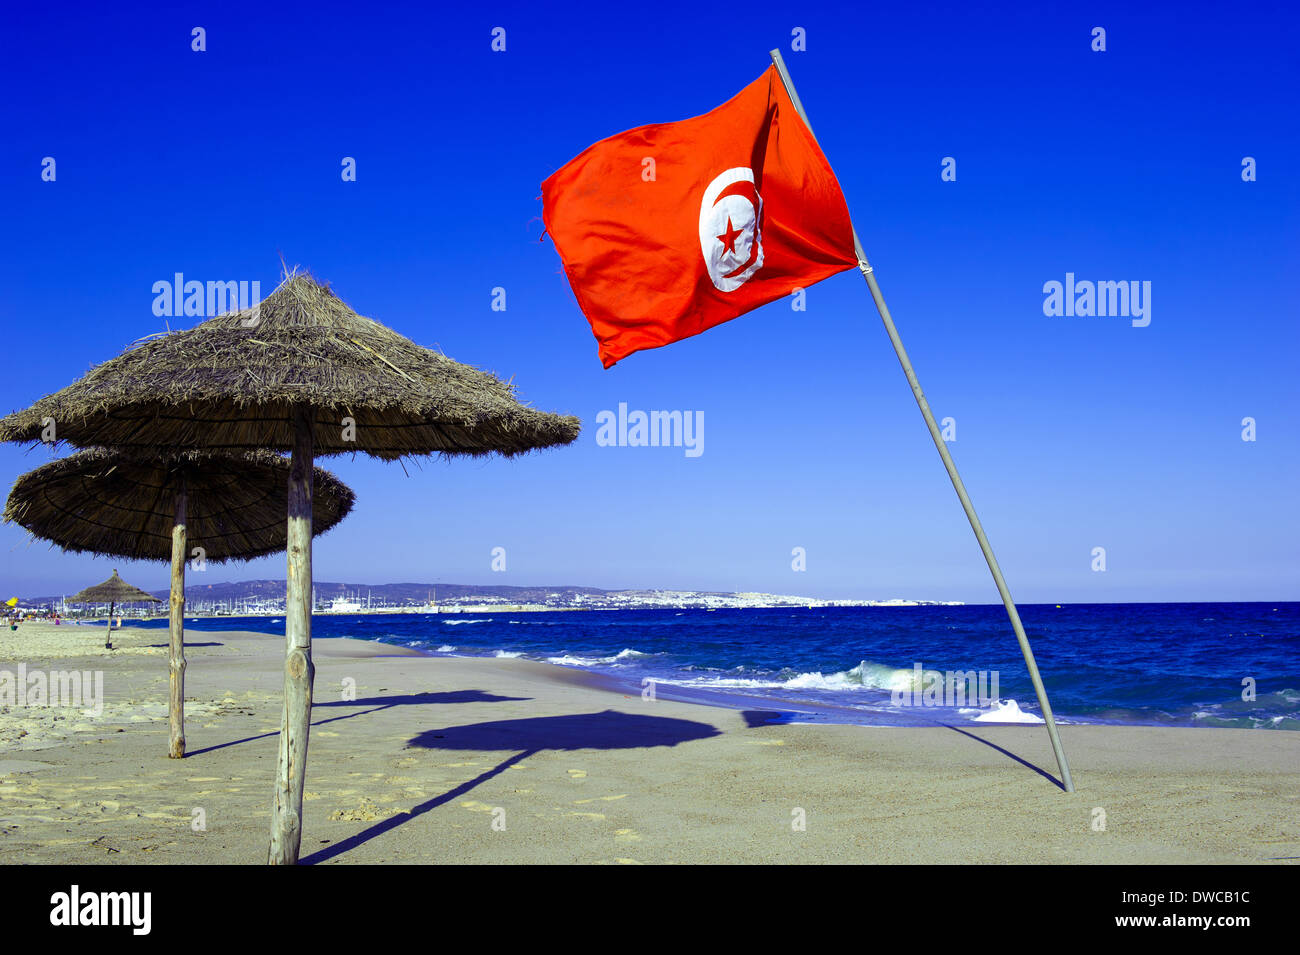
{"x": 670, "y": 229}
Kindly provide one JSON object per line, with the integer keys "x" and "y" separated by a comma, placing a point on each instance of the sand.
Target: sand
{"x": 449, "y": 760}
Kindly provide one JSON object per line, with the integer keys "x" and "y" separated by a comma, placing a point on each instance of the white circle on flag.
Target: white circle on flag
{"x": 730, "y": 229}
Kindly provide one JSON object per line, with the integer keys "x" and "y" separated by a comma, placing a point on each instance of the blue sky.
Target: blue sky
{"x": 1072, "y": 433}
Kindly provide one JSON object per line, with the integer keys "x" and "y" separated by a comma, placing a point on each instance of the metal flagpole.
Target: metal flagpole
{"x": 939, "y": 443}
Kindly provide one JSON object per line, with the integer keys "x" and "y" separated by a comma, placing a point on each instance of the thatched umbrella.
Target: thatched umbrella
{"x": 302, "y": 372}
{"x": 155, "y": 507}
{"x": 113, "y": 591}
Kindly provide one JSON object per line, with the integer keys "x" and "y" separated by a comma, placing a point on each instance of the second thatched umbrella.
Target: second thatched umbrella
{"x": 156, "y": 507}
{"x": 113, "y": 591}
{"x": 300, "y": 372}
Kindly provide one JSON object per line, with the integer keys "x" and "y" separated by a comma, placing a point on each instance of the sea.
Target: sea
{"x": 1166, "y": 664}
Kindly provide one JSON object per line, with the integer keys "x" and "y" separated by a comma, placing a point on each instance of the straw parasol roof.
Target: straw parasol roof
{"x": 113, "y": 590}
{"x": 231, "y": 382}
{"x": 122, "y": 504}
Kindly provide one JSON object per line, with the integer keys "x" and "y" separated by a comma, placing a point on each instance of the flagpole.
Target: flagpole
{"x": 942, "y": 445}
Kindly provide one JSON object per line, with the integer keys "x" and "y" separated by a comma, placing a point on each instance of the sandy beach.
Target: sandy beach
{"x": 451, "y": 760}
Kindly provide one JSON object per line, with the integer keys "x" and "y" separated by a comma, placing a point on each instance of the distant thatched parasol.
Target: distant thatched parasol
{"x": 155, "y": 507}
{"x": 300, "y": 372}
{"x": 113, "y": 591}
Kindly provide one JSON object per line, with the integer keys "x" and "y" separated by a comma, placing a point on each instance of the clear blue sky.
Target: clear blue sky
{"x": 1072, "y": 433}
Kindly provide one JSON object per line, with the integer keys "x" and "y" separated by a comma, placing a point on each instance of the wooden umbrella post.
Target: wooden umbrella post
{"x": 295, "y": 726}
{"x": 176, "y": 630}
{"x": 108, "y": 633}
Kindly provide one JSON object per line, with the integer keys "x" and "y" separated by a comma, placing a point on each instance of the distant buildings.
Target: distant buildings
{"x": 259, "y": 600}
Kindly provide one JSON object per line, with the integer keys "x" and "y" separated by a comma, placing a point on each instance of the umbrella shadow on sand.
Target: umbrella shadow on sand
{"x": 377, "y": 703}
{"x": 527, "y": 737}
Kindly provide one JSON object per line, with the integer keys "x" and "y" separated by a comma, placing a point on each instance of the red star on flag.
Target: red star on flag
{"x": 729, "y": 237}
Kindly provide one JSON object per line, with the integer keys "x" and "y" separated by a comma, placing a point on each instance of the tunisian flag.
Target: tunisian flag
{"x": 670, "y": 229}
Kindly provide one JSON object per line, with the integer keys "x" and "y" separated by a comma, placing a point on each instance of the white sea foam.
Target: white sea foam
{"x": 723, "y": 681}
{"x": 819, "y": 681}
{"x": 879, "y": 677}
{"x": 510, "y": 654}
{"x": 446, "y": 648}
{"x": 865, "y": 676}
{"x": 570, "y": 660}
{"x": 452, "y": 623}
{"x": 1008, "y": 711}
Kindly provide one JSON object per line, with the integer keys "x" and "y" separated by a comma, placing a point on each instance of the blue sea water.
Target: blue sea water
{"x": 1139, "y": 664}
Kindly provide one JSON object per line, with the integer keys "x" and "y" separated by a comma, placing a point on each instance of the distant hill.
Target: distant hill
{"x": 399, "y": 594}
{"x": 267, "y": 596}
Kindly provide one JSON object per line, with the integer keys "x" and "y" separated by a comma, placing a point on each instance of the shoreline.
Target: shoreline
{"x": 731, "y": 694}
{"x": 434, "y": 750}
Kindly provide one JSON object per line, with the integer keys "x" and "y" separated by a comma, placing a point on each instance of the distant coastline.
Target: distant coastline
{"x": 266, "y": 598}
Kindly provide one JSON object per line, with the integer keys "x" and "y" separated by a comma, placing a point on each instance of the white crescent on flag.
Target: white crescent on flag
{"x": 731, "y": 239}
